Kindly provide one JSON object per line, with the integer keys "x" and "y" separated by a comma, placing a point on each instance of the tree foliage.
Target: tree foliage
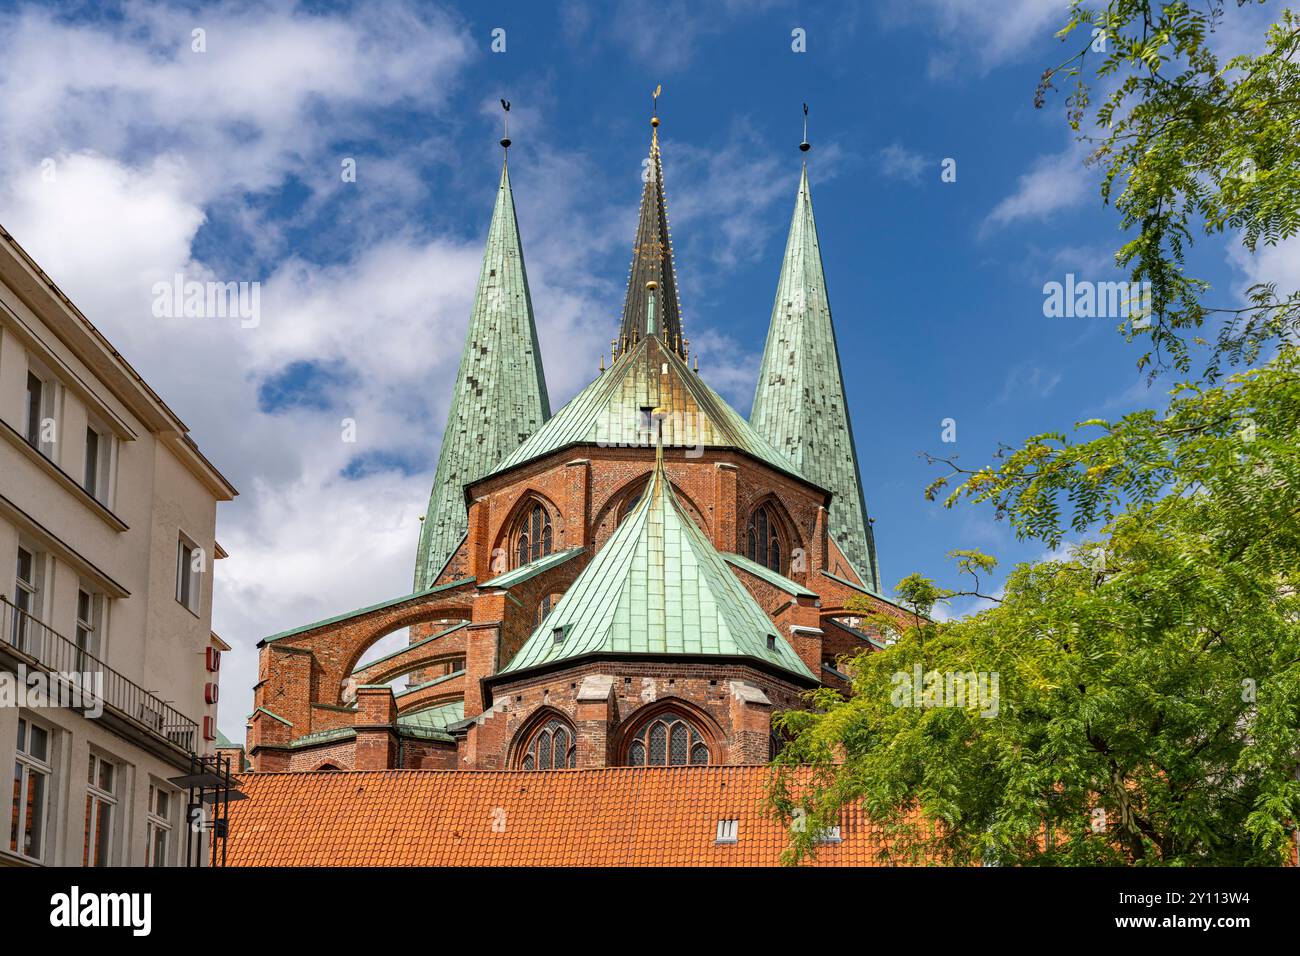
{"x": 1148, "y": 675}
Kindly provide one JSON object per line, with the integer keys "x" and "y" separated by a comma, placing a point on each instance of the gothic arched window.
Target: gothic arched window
{"x": 534, "y": 536}
{"x": 553, "y": 747}
{"x": 669, "y": 740}
{"x": 763, "y": 542}
{"x": 545, "y": 607}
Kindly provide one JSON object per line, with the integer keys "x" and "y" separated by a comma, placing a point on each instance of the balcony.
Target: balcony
{"x": 123, "y": 698}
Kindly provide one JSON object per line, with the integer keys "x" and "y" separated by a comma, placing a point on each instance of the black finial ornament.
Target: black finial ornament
{"x": 505, "y": 140}
{"x": 805, "y": 145}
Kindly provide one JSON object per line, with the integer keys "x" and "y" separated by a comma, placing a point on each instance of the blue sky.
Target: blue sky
{"x": 226, "y": 164}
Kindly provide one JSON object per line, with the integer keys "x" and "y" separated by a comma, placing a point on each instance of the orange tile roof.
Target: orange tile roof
{"x": 617, "y": 816}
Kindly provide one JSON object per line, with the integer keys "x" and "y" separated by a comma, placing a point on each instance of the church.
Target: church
{"x": 642, "y": 578}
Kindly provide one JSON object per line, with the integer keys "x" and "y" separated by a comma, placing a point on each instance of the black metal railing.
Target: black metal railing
{"x": 56, "y": 654}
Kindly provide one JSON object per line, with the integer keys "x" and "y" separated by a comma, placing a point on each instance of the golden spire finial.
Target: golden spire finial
{"x": 602, "y": 361}
{"x": 654, "y": 118}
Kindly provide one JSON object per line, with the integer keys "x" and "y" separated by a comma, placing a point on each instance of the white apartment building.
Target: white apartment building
{"x": 107, "y": 545}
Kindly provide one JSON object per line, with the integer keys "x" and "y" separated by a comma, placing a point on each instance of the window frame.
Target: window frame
{"x": 534, "y": 534}
{"x": 45, "y": 407}
{"x": 93, "y": 625}
{"x": 669, "y": 717}
{"x": 529, "y": 759}
{"x": 100, "y": 797}
{"x": 773, "y": 535}
{"x": 159, "y": 824}
{"x": 189, "y": 582}
{"x": 27, "y": 766}
{"x": 100, "y": 484}
{"x": 29, "y": 591}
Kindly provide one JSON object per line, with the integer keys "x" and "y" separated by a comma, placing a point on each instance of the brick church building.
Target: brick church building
{"x": 642, "y": 578}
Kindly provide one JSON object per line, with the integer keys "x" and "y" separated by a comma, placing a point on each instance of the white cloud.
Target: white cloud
{"x": 153, "y": 145}
{"x": 976, "y": 36}
{"x": 899, "y": 162}
{"x": 1052, "y": 184}
{"x": 1029, "y": 380}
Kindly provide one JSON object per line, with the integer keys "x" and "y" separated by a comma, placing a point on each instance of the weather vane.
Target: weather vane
{"x": 654, "y": 99}
{"x": 805, "y": 145}
{"x": 505, "y": 139}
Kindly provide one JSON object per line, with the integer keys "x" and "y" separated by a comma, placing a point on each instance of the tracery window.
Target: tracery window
{"x": 763, "y": 543}
{"x": 554, "y": 747}
{"x": 669, "y": 740}
{"x": 534, "y": 536}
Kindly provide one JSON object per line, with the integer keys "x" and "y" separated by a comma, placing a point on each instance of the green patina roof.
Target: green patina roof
{"x": 435, "y": 718}
{"x": 530, "y": 570}
{"x": 433, "y": 721}
{"x": 365, "y": 610}
{"x": 429, "y": 683}
{"x": 499, "y": 398}
{"x": 800, "y": 404}
{"x": 613, "y": 412}
{"x": 658, "y": 586}
{"x": 768, "y": 575}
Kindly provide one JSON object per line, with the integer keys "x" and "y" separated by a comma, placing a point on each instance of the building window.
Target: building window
{"x": 763, "y": 544}
{"x": 554, "y": 747}
{"x": 189, "y": 567}
{"x": 534, "y": 536}
{"x": 32, "y": 774}
{"x": 101, "y": 801}
{"x": 27, "y": 598}
{"x": 546, "y": 606}
{"x": 158, "y": 827}
{"x": 34, "y": 410}
{"x": 97, "y": 476}
{"x": 90, "y": 616}
{"x": 669, "y": 740}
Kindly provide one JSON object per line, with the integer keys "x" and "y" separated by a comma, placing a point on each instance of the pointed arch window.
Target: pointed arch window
{"x": 763, "y": 541}
{"x": 668, "y": 740}
{"x": 534, "y": 539}
{"x": 546, "y": 605}
{"x": 553, "y": 747}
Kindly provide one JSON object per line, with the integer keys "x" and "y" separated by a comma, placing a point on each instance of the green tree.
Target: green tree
{"x": 1147, "y": 695}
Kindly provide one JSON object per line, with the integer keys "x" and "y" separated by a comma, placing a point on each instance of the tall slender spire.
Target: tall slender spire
{"x": 652, "y": 258}
{"x": 499, "y": 398}
{"x": 800, "y": 405}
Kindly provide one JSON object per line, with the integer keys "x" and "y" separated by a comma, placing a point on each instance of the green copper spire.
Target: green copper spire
{"x": 499, "y": 398}
{"x": 658, "y": 586}
{"x": 799, "y": 404}
{"x": 652, "y": 261}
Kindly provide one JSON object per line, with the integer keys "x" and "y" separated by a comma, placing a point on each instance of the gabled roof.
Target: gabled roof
{"x": 657, "y": 587}
{"x": 652, "y": 261}
{"x": 617, "y": 816}
{"x": 499, "y": 398}
{"x": 799, "y": 403}
{"x": 613, "y": 411}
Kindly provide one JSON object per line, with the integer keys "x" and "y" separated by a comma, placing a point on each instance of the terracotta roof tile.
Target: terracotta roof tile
{"x": 616, "y": 816}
